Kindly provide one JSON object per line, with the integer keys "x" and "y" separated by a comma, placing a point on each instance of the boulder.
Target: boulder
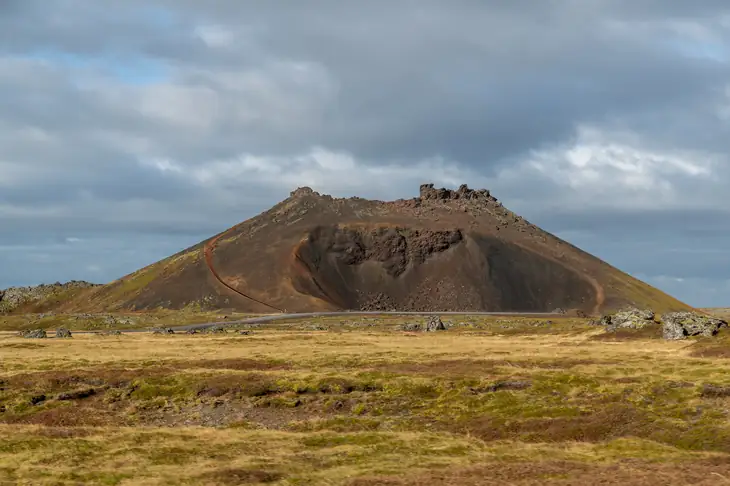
{"x": 62, "y": 332}
{"x": 672, "y": 330}
{"x": 34, "y": 334}
{"x": 434, "y": 323}
{"x": 630, "y": 318}
{"x": 679, "y": 325}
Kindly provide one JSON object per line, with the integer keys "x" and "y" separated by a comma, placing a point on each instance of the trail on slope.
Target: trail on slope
{"x": 208, "y": 252}
{"x": 600, "y": 294}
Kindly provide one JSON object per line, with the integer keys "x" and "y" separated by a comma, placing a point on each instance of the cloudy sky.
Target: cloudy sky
{"x": 130, "y": 130}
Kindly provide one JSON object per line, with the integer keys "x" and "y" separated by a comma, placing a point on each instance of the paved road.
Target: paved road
{"x": 281, "y": 317}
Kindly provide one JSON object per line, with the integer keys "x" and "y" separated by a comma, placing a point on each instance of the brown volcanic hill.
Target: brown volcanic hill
{"x": 444, "y": 250}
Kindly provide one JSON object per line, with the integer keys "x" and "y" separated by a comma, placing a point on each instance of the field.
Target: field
{"x": 114, "y": 320}
{"x": 358, "y": 402}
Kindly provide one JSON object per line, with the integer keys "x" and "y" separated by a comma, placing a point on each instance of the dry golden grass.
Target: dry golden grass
{"x": 482, "y": 404}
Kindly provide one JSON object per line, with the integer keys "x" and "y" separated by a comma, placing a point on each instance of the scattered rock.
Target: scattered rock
{"x": 411, "y": 327}
{"x": 34, "y": 334}
{"x": 715, "y": 391}
{"x": 111, "y": 332}
{"x": 245, "y": 332}
{"x": 62, "y": 332}
{"x": 503, "y": 385}
{"x": 604, "y": 321}
{"x": 76, "y": 395}
{"x": 630, "y": 318}
{"x": 319, "y": 327}
{"x": 510, "y": 385}
{"x": 559, "y": 310}
{"x": 434, "y": 323}
{"x": 36, "y": 399}
{"x": 191, "y": 331}
{"x": 163, "y": 331}
{"x": 217, "y": 329}
{"x": 679, "y": 325}
{"x": 119, "y": 321}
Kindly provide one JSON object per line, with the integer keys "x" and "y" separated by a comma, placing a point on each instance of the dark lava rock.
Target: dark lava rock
{"x": 245, "y": 332}
{"x": 434, "y": 323}
{"x": 679, "y": 325}
{"x": 76, "y": 395}
{"x": 191, "y": 331}
{"x": 36, "y": 399}
{"x": 34, "y": 334}
{"x": 428, "y": 192}
{"x": 62, "y": 332}
{"x": 715, "y": 391}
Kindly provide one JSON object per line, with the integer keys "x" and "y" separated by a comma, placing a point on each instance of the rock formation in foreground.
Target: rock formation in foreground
{"x": 674, "y": 325}
{"x": 445, "y": 250}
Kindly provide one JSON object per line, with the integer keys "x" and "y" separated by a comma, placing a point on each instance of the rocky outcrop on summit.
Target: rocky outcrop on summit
{"x": 428, "y": 192}
{"x": 442, "y": 250}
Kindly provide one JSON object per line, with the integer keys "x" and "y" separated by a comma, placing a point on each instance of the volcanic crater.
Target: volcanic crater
{"x": 444, "y": 250}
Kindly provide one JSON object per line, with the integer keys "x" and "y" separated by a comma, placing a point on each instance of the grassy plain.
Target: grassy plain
{"x": 114, "y": 320}
{"x": 357, "y": 402}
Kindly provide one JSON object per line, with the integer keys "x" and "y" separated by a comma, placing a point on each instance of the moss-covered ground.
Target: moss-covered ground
{"x": 357, "y": 402}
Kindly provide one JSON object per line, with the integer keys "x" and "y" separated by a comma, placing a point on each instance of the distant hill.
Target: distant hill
{"x": 443, "y": 250}
{"x": 41, "y": 298}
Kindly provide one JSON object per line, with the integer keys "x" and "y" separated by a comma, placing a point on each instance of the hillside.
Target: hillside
{"x": 444, "y": 250}
{"x": 41, "y": 298}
